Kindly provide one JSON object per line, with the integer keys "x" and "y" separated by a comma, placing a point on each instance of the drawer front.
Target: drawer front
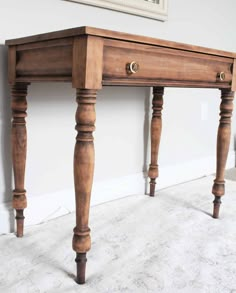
{"x": 163, "y": 64}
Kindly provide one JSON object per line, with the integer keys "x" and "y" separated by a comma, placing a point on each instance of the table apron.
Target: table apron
{"x": 157, "y": 65}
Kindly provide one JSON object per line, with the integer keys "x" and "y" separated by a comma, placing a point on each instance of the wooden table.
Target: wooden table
{"x": 90, "y": 58}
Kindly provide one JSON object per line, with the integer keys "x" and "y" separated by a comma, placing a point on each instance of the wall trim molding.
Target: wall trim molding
{"x": 62, "y": 202}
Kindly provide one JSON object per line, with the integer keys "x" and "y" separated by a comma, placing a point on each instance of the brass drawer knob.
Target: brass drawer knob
{"x": 132, "y": 67}
{"x": 221, "y": 76}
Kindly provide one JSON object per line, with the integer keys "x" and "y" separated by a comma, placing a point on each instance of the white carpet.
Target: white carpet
{"x": 167, "y": 244}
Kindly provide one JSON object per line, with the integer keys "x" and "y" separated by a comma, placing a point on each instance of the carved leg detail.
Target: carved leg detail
{"x": 156, "y": 126}
{"x": 223, "y": 141}
{"x": 83, "y": 175}
{"x": 19, "y": 145}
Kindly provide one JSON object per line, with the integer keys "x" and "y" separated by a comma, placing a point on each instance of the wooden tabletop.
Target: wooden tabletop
{"x": 86, "y": 30}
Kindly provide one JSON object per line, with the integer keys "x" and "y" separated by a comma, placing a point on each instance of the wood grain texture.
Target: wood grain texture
{"x": 156, "y": 127}
{"x": 48, "y": 61}
{"x": 19, "y": 146}
{"x": 43, "y": 79}
{"x": 83, "y": 172}
{"x": 223, "y": 141}
{"x": 163, "y": 64}
{"x": 87, "y": 63}
{"x": 165, "y": 83}
{"x": 46, "y": 44}
{"x": 90, "y": 61}
{"x": 86, "y": 30}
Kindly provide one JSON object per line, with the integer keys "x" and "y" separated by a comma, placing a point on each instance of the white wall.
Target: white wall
{"x": 121, "y": 138}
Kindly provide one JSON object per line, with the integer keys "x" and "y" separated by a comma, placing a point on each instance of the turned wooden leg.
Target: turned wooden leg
{"x": 83, "y": 176}
{"x": 223, "y": 141}
{"x": 19, "y": 144}
{"x": 156, "y": 126}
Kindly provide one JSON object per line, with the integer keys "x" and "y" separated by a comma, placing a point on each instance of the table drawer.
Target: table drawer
{"x": 155, "y": 63}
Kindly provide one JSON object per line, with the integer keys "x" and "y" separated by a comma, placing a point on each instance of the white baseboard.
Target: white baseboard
{"x": 186, "y": 171}
{"x": 6, "y": 218}
{"x": 48, "y": 206}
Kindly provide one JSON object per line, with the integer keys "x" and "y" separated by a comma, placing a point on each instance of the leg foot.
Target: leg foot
{"x": 216, "y": 209}
{"x": 81, "y": 267}
{"x": 20, "y": 223}
{"x": 152, "y": 186}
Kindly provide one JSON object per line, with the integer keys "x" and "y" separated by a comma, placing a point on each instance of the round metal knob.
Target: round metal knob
{"x": 132, "y": 67}
{"x": 221, "y": 76}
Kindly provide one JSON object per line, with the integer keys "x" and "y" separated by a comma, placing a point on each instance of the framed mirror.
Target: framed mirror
{"x": 156, "y": 9}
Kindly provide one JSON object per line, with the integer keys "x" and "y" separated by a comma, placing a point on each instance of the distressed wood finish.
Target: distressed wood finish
{"x": 156, "y": 126}
{"x": 90, "y": 58}
{"x": 114, "y": 35}
{"x": 223, "y": 141}
{"x": 19, "y": 145}
{"x": 57, "y": 56}
{"x": 167, "y": 65}
{"x": 87, "y": 63}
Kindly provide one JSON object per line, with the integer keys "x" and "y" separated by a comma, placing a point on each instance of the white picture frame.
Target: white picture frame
{"x": 155, "y": 9}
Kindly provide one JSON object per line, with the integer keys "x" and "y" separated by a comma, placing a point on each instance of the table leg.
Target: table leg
{"x": 83, "y": 175}
{"x": 223, "y": 141}
{"x": 19, "y": 145}
{"x": 156, "y": 126}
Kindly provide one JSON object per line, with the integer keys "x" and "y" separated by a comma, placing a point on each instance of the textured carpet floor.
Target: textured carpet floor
{"x": 166, "y": 244}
